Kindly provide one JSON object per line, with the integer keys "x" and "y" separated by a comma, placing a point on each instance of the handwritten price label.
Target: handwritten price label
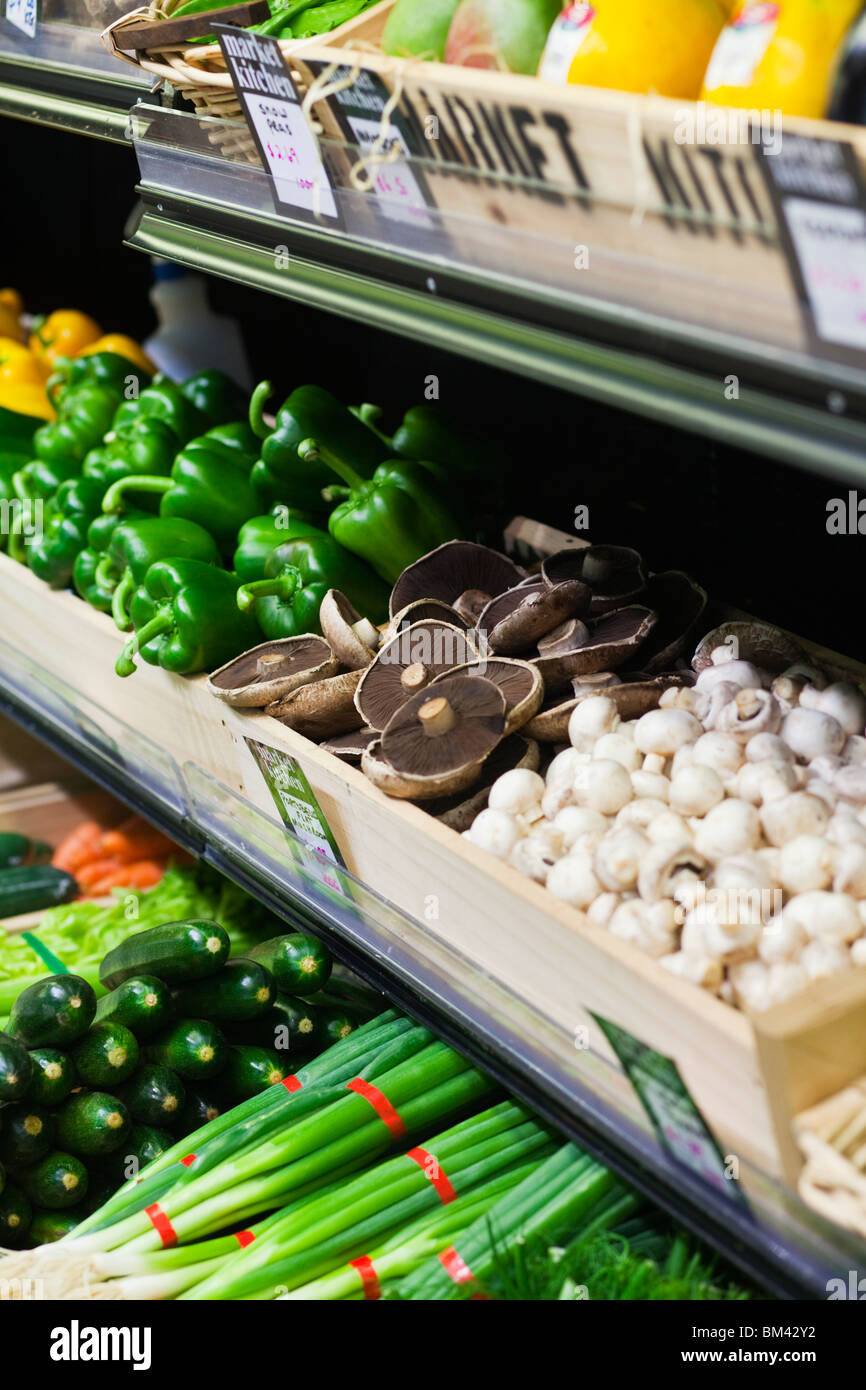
{"x": 400, "y": 196}
{"x": 291, "y": 154}
{"x": 830, "y": 243}
{"x": 22, "y": 13}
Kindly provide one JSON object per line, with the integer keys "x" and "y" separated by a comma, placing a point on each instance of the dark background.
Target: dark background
{"x": 752, "y": 531}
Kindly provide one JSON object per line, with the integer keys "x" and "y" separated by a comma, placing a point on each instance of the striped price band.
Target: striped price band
{"x": 382, "y": 1106}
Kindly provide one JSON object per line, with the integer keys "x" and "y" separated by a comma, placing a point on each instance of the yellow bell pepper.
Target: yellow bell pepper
{"x": 10, "y": 326}
{"x": 25, "y": 397}
{"x": 65, "y": 333}
{"x": 12, "y": 300}
{"x": 122, "y": 346}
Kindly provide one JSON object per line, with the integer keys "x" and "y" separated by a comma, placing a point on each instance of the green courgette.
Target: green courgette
{"x": 142, "y": 1004}
{"x": 58, "y": 1181}
{"x": 92, "y": 1123}
{"x": 299, "y": 963}
{"x": 53, "y": 1076}
{"x": 54, "y": 1012}
{"x": 242, "y": 990}
{"x": 143, "y": 1144}
{"x": 193, "y": 1048}
{"x": 106, "y": 1056}
{"x": 199, "y": 1108}
{"x": 99, "y": 1188}
{"x": 14, "y": 849}
{"x": 250, "y": 1070}
{"x": 27, "y": 1134}
{"x": 34, "y": 887}
{"x": 289, "y": 1027}
{"x": 16, "y": 1213}
{"x": 176, "y": 952}
{"x": 48, "y": 1226}
{"x": 334, "y": 1025}
{"x": 154, "y": 1096}
{"x": 16, "y": 1068}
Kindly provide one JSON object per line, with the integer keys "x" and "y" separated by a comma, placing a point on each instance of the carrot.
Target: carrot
{"x": 135, "y": 840}
{"x": 80, "y": 846}
{"x": 97, "y": 868}
{"x": 145, "y": 873}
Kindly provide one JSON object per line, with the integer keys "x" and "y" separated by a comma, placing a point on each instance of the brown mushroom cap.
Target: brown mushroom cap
{"x": 346, "y": 630}
{"x": 407, "y": 663}
{"x": 631, "y": 698}
{"x": 614, "y": 639}
{"x": 453, "y": 569}
{"x": 614, "y": 573}
{"x": 322, "y": 709}
{"x": 273, "y": 669}
{"x": 459, "y": 811}
{"x": 349, "y": 747}
{"x": 570, "y": 636}
{"x": 593, "y": 683}
{"x": 758, "y": 642}
{"x": 519, "y": 681}
{"x": 436, "y": 743}
{"x": 679, "y": 602}
{"x": 416, "y": 613}
{"x": 514, "y": 621}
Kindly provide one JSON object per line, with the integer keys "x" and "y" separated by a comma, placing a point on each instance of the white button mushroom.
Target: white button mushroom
{"x": 651, "y": 927}
{"x": 765, "y": 747}
{"x": 751, "y": 984}
{"x": 695, "y": 790}
{"x": 683, "y": 758}
{"x": 641, "y": 812}
{"x": 821, "y": 959}
{"x": 750, "y": 712}
{"x": 698, "y": 970}
{"x": 602, "y": 785}
{"x": 850, "y": 783}
{"x": 783, "y": 938}
{"x": 845, "y": 703}
{"x": 681, "y": 697}
{"x": 757, "y": 782}
{"x": 653, "y": 784}
{"x": 858, "y": 951}
{"x": 620, "y": 748}
{"x": 666, "y": 730}
{"x": 564, "y": 766}
{"x": 740, "y": 673}
{"x": 517, "y": 791}
{"x": 786, "y": 979}
{"x": 495, "y": 831}
{"x": 574, "y": 821}
{"x": 807, "y": 863}
{"x": 825, "y": 916}
{"x": 729, "y": 828}
{"x": 558, "y": 797}
{"x": 846, "y": 828}
{"x": 533, "y": 858}
{"x": 849, "y": 874}
{"x": 655, "y": 762}
{"x": 594, "y": 716}
{"x": 663, "y": 865}
{"x": 798, "y": 814}
{"x": 668, "y": 827}
{"x": 719, "y": 751}
{"x": 572, "y": 881}
{"x": 809, "y": 733}
{"x": 602, "y": 908}
{"x": 855, "y": 750}
{"x": 617, "y": 858}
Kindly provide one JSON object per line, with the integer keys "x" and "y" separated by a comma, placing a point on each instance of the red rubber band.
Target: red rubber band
{"x": 188, "y": 1161}
{"x": 382, "y": 1106}
{"x": 369, "y": 1278}
{"x": 429, "y": 1164}
{"x": 292, "y": 1083}
{"x": 244, "y": 1238}
{"x": 161, "y": 1225}
{"x": 457, "y": 1269}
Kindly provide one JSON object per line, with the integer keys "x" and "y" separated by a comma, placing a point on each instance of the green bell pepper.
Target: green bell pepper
{"x": 393, "y": 519}
{"x": 87, "y": 562}
{"x": 186, "y": 619}
{"x": 279, "y": 475}
{"x": 165, "y": 400}
{"x": 209, "y": 484}
{"x": 216, "y": 396}
{"x": 38, "y": 480}
{"x": 84, "y": 414}
{"x": 427, "y": 435}
{"x": 297, "y": 577}
{"x": 73, "y": 507}
{"x": 105, "y": 368}
{"x": 144, "y": 446}
{"x": 136, "y": 545}
{"x": 17, "y": 431}
{"x": 261, "y": 535}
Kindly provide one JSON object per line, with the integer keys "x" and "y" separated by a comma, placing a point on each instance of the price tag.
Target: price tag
{"x": 821, "y": 206}
{"x": 678, "y": 1122}
{"x": 741, "y": 47}
{"x": 287, "y": 146}
{"x": 397, "y": 188}
{"x": 299, "y": 810}
{"x": 22, "y": 13}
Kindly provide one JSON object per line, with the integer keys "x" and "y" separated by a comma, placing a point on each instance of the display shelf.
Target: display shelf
{"x": 653, "y": 331}
{"x": 189, "y": 782}
{"x": 64, "y": 78}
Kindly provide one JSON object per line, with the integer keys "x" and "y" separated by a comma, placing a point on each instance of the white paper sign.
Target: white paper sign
{"x": 22, "y": 13}
{"x": 830, "y": 243}
{"x": 400, "y": 196}
{"x": 291, "y": 153}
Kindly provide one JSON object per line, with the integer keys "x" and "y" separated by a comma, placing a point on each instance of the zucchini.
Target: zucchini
{"x": 59, "y": 1181}
{"x": 193, "y": 1048}
{"x": 250, "y": 1070}
{"x": 334, "y": 1025}
{"x": 242, "y": 990}
{"x": 154, "y": 1096}
{"x": 33, "y": 887}
{"x": 142, "y": 1004}
{"x": 53, "y": 1076}
{"x": 291, "y": 1026}
{"x": 16, "y": 1213}
{"x": 16, "y": 1068}
{"x": 175, "y": 952}
{"x": 53, "y": 1012}
{"x": 106, "y": 1056}
{"x": 99, "y": 1188}
{"x": 92, "y": 1123}
{"x": 14, "y": 849}
{"x": 199, "y": 1108}
{"x": 27, "y": 1134}
{"x": 299, "y": 963}
{"x": 48, "y": 1226}
{"x": 144, "y": 1143}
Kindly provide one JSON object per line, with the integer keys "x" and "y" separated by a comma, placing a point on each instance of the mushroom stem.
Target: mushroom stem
{"x": 437, "y": 717}
{"x": 366, "y": 632}
{"x": 310, "y": 450}
{"x": 415, "y": 676}
{"x": 268, "y": 664}
{"x": 284, "y": 585}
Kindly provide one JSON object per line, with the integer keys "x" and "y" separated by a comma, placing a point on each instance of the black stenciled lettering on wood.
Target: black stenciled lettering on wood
{"x": 744, "y": 169}
{"x": 717, "y": 160}
{"x": 494, "y": 119}
{"x": 534, "y": 153}
{"x": 671, "y": 189}
{"x": 461, "y": 138}
{"x": 562, "y": 130}
{"x": 703, "y": 195}
{"x": 476, "y": 134}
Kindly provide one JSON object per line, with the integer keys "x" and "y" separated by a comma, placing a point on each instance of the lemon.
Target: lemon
{"x": 635, "y": 45}
{"x": 779, "y": 56}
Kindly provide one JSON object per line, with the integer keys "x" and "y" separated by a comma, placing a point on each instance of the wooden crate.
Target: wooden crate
{"x": 748, "y": 1077}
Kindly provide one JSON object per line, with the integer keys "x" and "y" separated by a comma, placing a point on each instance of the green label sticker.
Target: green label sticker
{"x": 296, "y": 802}
{"x": 679, "y": 1124}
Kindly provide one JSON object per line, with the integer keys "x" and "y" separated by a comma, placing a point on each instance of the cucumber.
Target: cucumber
{"x": 53, "y": 1076}
{"x": 33, "y": 887}
{"x": 144, "y": 1143}
{"x": 16, "y": 1068}
{"x": 193, "y": 1048}
{"x": 290, "y": 1027}
{"x": 142, "y": 1004}
{"x": 16, "y": 1213}
{"x": 58, "y": 1181}
{"x": 199, "y": 1108}
{"x": 154, "y": 1096}
{"x": 92, "y": 1123}
{"x": 334, "y": 1025}
{"x": 106, "y": 1056}
{"x": 27, "y": 1134}
{"x": 99, "y": 1188}
{"x": 48, "y": 1226}
{"x": 14, "y": 849}
{"x": 250, "y": 1070}
{"x": 299, "y": 963}
{"x": 242, "y": 990}
{"x": 175, "y": 952}
{"x": 53, "y": 1012}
